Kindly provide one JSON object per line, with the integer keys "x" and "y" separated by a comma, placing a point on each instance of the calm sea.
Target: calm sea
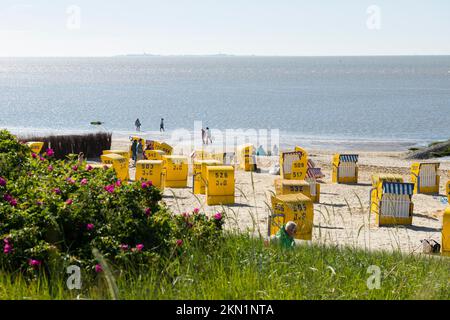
{"x": 328, "y": 100}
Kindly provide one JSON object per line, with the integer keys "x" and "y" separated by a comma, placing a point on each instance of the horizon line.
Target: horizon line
{"x": 149, "y": 55}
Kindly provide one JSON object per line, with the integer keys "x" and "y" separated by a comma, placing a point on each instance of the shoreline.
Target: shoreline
{"x": 288, "y": 140}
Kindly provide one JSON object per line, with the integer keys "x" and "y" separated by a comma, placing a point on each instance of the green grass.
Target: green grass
{"x": 241, "y": 267}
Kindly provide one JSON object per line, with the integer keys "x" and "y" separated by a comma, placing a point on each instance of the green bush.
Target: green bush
{"x": 55, "y": 211}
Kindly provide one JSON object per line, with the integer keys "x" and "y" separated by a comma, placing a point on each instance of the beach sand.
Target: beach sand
{"x": 342, "y": 216}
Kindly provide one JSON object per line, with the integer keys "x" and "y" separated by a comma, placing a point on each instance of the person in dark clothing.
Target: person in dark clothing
{"x": 134, "y": 145}
{"x": 161, "y": 125}
{"x": 137, "y": 123}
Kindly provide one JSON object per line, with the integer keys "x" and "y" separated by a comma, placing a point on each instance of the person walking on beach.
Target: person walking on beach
{"x": 137, "y": 123}
{"x": 203, "y": 136}
{"x": 208, "y": 136}
{"x": 161, "y": 125}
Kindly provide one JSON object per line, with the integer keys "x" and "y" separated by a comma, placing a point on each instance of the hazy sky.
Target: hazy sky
{"x": 260, "y": 27}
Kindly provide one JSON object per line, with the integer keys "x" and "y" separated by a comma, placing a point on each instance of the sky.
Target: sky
{"x": 239, "y": 27}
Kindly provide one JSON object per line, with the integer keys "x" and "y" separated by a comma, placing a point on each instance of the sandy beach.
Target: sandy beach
{"x": 342, "y": 216}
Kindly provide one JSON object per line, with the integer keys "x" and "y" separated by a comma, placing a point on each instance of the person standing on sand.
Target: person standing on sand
{"x": 134, "y": 150}
{"x": 208, "y": 136}
{"x": 140, "y": 150}
{"x": 137, "y": 123}
{"x": 203, "y": 136}
{"x": 161, "y": 125}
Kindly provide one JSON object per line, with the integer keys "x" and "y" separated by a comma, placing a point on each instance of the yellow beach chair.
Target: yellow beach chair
{"x": 35, "y": 146}
{"x": 345, "y": 168}
{"x": 425, "y": 177}
{"x": 292, "y": 207}
{"x": 246, "y": 157}
{"x": 220, "y": 185}
{"x": 391, "y": 200}
{"x": 446, "y": 232}
{"x": 293, "y": 165}
{"x": 150, "y": 170}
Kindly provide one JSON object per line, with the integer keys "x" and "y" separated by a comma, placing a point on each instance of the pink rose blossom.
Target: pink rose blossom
{"x": 179, "y": 242}
{"x": 75, "y": 168}
{"x": 218, "y": 216}
{"x": 69, "y": 201}
{"x": 34, "y": 155}
{"x": 196, "y": 210}
{"x": 118, "y": 183}
{"x": 89, "y": 167}
{"x": 90, "y": 226}
{"x": 50, "y": 152}
{"x": 140, "y": 247}
{"x": 34, "y": 263}
{"x": 83, "y": 181}
{"x": 144, "y": 185}
{"x": 13, "y": 202}
{"x": 39, "y": 203}
{"x": 41, "y": 158}
{"x": 50, "y": 168}
{"x": 98, "y": 268}
{"x": 7, "y": 197}
{"x": 2, "y": 182}
{"x": 148, "y": 211}
{"x": 71, "y": 180}
{"x": 8, "y": 248}
{"x": 109, "y": 188}
{"x": 124, "y": 247}
{"x": 57, "y": 190}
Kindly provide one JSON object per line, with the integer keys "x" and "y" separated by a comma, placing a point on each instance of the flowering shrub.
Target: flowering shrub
{"x": 54, "y": 209}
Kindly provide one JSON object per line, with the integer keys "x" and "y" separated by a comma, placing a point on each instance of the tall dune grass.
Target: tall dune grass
{"x": 242, "y": 267}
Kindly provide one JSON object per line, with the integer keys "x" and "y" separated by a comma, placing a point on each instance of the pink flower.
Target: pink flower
{"x": 41, "y": 158}
{"x": 90, "y": 226}
{"x": 98, "y": 268}
{"x": 149, "y": 184}
{"x": 118, "y": 183}
{"x": 2, "y": 182}
{"x": 34, "y": 263}
{"x": 144, "y": 185}
{"x": 140, "y": 247}
{"x": 50, "y": 152}
{"x": 124, "y": 247}
{"x": 8, "y": 248}
{"x": 83, "y": 181}
{"x": 196, "y": 210}
{"x": 57, "y": 190}
{"x": 179, "y": 242}
{"x": 218, "y": 216}
{"x": 7, "y": 197}
{"x": 148, "y": 211}
{"x": 39, "y": 203}
{"x": 75, "y": 168}
{"x": 50, "y": 168}
{"x": 89, "y": 167}
{"x": 69, "y": 201}
{"x": 109, "y": 188}
{"x": 13, "y": 202}
{"x": 33, "y": 155}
